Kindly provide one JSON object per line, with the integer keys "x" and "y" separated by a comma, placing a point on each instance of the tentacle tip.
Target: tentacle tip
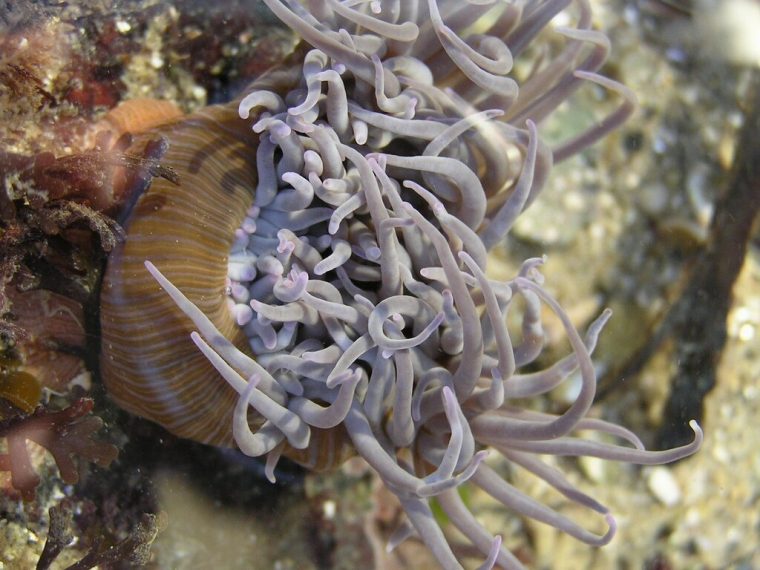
{"x": 589, "y": 75}
{"x": 612, "y": 529}
{"x": 340, "y": 378}
{"x": 493, "y": 554}
{"x": 699, "y": 435}
{"x": 280, "y": 129}
{"x": 427, "y": 273}
{"x": 286, "y": 247}
{"x": 374, "y": 253}
{"x": 156, "y": 274}
{"x": 480, "y": 457}
{"x": 497, "y": 540}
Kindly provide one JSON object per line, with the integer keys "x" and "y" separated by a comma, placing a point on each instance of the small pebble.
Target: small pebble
{"x": 663, "y": 485}
{"x": 593, "y": 468}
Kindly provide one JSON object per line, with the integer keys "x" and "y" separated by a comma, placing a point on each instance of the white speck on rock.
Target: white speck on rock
{"x": 593, "y": 468}
{"x": 123, "y": 27}
{"x": 663, "y": 485}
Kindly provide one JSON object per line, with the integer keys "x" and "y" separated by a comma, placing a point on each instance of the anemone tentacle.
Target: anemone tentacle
{"x": 368, "y": 185}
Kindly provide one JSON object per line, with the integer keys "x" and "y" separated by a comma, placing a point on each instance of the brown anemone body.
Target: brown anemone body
{"x": 149, "y": 364}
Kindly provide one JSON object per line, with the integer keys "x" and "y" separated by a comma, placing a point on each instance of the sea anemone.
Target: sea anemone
{"x": 331, "y": 263}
